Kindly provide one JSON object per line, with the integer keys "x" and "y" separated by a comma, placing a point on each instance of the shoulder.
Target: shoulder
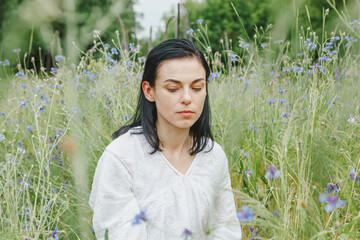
{"x": 127, "y": 146}
{"x": 215, "y": 153}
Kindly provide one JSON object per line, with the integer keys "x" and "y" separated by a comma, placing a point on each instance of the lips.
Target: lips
{"x": 186, "y": 113}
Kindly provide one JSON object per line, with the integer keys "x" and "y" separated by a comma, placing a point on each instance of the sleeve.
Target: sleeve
{"x": 113, "y": 202}
{"x": 225, "y": 222}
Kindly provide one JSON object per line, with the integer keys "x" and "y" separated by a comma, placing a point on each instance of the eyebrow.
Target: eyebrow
{"x": 177, "y": 81}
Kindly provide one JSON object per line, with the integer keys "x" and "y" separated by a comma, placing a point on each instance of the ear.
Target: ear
{"x": 148, "y": 91}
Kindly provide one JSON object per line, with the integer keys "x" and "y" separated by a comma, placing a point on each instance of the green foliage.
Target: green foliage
{"x": 56, "y": 26}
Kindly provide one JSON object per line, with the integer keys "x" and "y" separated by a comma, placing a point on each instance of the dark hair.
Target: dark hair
{"x": 146, "y": 114}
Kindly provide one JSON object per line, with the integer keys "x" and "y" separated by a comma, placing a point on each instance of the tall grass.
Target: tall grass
{"x": 273, "y": 107}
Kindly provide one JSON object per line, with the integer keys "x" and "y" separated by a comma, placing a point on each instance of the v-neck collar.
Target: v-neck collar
{"x": 177, "y": 171}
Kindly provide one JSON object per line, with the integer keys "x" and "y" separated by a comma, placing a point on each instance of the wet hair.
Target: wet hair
{"x": 146, "y": 114}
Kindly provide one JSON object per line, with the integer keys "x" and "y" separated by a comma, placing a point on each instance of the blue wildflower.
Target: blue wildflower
{"x": 272, "y": 173}
{"x": 106, "y": 45}
{"x": 264, "y": 45}
{"x": 24, "y": 85}
{"x": 282, "y": 100}
{"x": 331, "y": 187}
{"x": 275, "y": 212}
{"x": 140, "y": 217}
{"x": 186, "y": 234}
{"x": 54, "y": 70}
{"x": 324, "y": 58}
{"x": 20, "y": 74}
{"x": 29, "y": 128}
{"x": 332, "y": 201}
{"x": 59, "y": 58}
{"x": 5, "y": 63}
{"x": 189, "y": 31}
{"x": 54, "y": 234}
{"x": 318, "y": 67}
{"x": 23, "y": 103}
{"x": 17, "y": 50}
{"x": 270, "y": 101}
{"x": 353, "y": 176}
{"x": 278, "y": 41}
{"x": 248, "y": 173}
{"x": 281, "y": 90}
{"x": 114, "y": 51}
{"x": 284, "y": 115}
{"x": 243, "y": 44}
{"x": 246, "y": 214}
{"x": 2, "y": 113}
{"x": 2, "y": 138}
{"x": 246, "y": 83}
{"x": 253, "y": 233}
{"x": 199, "y": 21}
{"x": 336, "y": 38}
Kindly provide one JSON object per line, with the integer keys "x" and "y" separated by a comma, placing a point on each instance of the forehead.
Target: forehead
{"x": 188, "y": 68}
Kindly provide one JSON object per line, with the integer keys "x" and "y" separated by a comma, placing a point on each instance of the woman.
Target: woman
{"x": 163, "y": 177}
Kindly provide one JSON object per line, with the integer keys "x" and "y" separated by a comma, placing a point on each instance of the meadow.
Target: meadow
{"x": 289, "y": 122}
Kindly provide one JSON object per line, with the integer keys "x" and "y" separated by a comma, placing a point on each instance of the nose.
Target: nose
{"x": 186, "y": 98}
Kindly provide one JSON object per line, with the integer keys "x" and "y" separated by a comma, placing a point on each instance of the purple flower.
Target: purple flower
{"x": 272, "y": 173}
{"x": 59, "y": 58}
{"x": 20, "y": 74}
{"x": 199, "y": 21}
{"x": 264, "y": 45}
{"x": 54, "y": 70}
{"x": 5, "y": 63}
{"x": 284, "y": 115}
{"x": 271, "y": 101}
{"x": 353, "y": 176}
{"x": 325, "y": 59}
{"x": 332, "y": 201}
{"x": 246, "y": 214}
{"x": 318, "y": 67}
{"x": 190, "y": 31}
{"x": 54, "y": 234}
{"x": 140, "y": 217}
{"x": 243, "y": 44}
{"x": 253, "y": 233}
{"x": 248, "y": 173}
{"x": 281, "y": 100}
{"x": 114, "y": 51}
{"x": 331, "y": 187}
{"x": 186, "y": 234}
{"x": 29, "y": 128}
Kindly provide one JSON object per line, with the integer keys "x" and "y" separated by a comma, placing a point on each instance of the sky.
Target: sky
{"x": 152, "y": 11}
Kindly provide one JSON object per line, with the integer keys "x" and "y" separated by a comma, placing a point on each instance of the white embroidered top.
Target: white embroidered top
{"x": 196, "y": 205}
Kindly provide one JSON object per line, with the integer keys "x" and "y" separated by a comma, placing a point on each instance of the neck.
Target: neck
{"x": 174, "y": 139}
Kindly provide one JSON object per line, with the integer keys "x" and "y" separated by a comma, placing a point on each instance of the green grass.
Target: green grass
{"x": 46, "y": 170}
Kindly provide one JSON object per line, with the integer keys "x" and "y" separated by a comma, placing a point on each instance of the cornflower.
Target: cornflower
{"x": 190, "y": 31}
{"x": 353, "y": 176}
{"x": 140, "y": 217}
{"x": 332, "y": 201}
{"x": 199, "y": 21}
{"x": 246, "y": 214}
{"x": 331, "y": 187}
{"x": 272, "y": 172}
{"x": 59, "y": 58}
{"x": 187, "y": 234}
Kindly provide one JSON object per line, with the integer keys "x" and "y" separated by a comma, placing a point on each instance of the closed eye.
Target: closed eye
{"x": 172, "y": 89}
{"x": 197, "y": 89}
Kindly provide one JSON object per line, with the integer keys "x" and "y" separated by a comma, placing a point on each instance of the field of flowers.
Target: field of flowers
{"x": 289, "y": 122}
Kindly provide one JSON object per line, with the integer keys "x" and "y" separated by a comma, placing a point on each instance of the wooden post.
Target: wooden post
{"x": 150, "y": 43}
{"x": 177, "y": 30}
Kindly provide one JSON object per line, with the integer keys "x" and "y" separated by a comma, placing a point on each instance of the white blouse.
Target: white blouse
{"x": 196, "y": 205}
